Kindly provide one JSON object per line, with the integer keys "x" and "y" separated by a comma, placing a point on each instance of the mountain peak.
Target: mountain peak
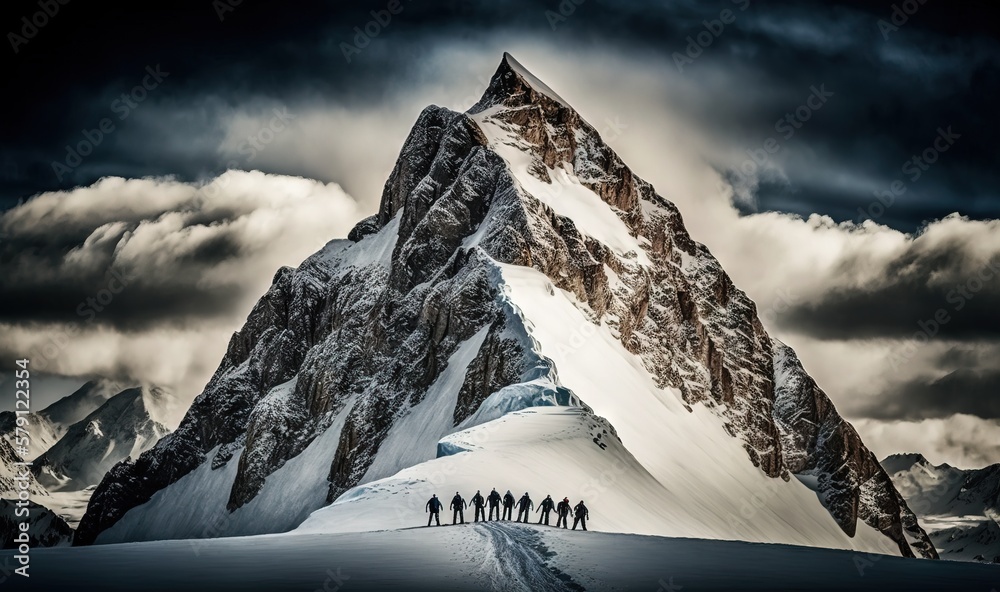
{"x": 895, "y": 463}
{"x": 513, "y": 85}
{"x": 121, "y": 427}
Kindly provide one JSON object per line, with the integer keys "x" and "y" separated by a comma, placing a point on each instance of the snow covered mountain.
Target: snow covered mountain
{"x": 522, "y": 312}
{"x": 120, "y": 428}
{"x": 50, "y": 424}
{"x": 960, "y": 507}
{"x": 11, "y": 474}
{"x": 45, "y": 527}
{"x": 74, "y": 441}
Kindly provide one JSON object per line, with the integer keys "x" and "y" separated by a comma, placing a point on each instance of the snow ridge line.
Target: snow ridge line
{"x": 519, "y": 561}
{"x": 544, "y": 366}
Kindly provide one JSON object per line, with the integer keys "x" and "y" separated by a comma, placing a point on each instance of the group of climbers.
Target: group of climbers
{"x": 524, "y": 507}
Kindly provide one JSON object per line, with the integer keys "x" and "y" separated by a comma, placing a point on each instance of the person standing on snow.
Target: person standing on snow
{"x": 563, "y": 511}
{"x": 494, "y": 499}
{"x": 434, "y": 506}
{"x": 479, "y": 502}
{"x": 580, "y": 515}
{"x": 508, "y": 505}
{"x": 458, "y": 505}
{"x": 545, "y": 507}
{"x": 524, "y": 507}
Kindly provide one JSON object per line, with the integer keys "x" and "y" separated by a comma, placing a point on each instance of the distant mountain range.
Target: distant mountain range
{"x": 73, "y": 443}
{"x": 960, "y": 508}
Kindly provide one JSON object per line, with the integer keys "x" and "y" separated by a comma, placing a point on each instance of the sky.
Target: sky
{"x": 838, "y": 158}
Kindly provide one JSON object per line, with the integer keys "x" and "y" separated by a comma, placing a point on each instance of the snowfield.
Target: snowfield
{"x": 494, "y": 556}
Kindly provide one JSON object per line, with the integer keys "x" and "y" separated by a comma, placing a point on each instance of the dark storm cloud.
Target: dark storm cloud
{"x": 891, "y": 94}
{"x": 40, "y": 288}
{"x": 967, "y": 391}
{"x": 962, "y": 307}
{"x": 150, "y": 254}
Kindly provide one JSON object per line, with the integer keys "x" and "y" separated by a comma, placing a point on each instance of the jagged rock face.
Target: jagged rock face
{"x": 370, "y": 336}
{"x": 367, "y": 325}
{"x": 818, "y": 442}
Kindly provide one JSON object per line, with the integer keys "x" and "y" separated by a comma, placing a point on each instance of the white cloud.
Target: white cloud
{"x": 154, "y": 231}
{"x": 963, "y": 441}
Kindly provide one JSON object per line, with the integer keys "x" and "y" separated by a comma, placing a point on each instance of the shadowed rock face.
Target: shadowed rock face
{"x": 818, "y": 442}
{"x": 45, "y": 527}
{"x": 370, "y": 335}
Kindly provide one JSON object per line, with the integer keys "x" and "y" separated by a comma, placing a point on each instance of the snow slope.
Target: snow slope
{"x": 702, "y": 486}
{"x": 565, "y": 194}
{"x": 481, "y": 557}
{"x": 558, "y": 451}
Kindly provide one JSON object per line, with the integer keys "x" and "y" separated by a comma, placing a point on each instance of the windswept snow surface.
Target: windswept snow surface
{"x": 710, "y": 488}
{"x": 495, "y": 556}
